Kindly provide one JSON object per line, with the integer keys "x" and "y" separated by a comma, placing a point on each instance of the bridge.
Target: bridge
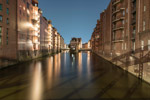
{"x": 84, "y": 49}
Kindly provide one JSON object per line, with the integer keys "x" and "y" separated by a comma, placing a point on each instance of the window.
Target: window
{"x": 28, "y": 5}
{"x": 123, "y": 13}
{"x": 126, "y": 20}
{"x": 7, "y": 1}
{"x": 7, "y": 20}
{"x": 0, "y": 35}
{"x": 144, "y": 25}
{"x": 1, "y": 18}
{"x": 7, "y": 36}
{"x": 122, "y": 33}
{"x": 125, "y": 46}
{"x": 1, "y": 7}
{"x": 142, "y": 45}
{"x": 148, "y": 44}
{"x": 123, "y": 22}
{"x": 122, "y": 46}
{"x": 134, "y": 46}
{"x": 7, "y": 11}
{"x": 127, "y": 10}
{"x": 144, "y": 8}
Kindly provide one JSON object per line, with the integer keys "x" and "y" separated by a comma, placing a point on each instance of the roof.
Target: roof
{"x": 36, "y": 1}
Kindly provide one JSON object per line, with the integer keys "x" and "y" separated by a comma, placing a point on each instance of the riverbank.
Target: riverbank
{"x": 7, "y": 63}
{"x": 133, "y": 69}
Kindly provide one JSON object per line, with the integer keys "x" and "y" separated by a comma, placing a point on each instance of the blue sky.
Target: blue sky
{"x": 73, "y": 18}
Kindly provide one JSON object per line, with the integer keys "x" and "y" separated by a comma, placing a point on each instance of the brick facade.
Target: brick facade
{"x": 22, "y": 30}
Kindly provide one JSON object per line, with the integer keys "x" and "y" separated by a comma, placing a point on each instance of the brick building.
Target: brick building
{"x": 55, "y": 39}
{"x": 8, "y": 28}
{"x": 50, "y": 36}
{"x": 62, "y": 43}
{"x": 85, "y": 46}
{"x": 76, "y": 43}
{"x": 17, "y": 17}
{"x": 21, "y": 32}
{"x": 58, "y": 42}
{"x": 124, "y": 35}
{"x": 44, "y": 33}
{"x": 28, "y": 29}
{"x": 96, "y": 37}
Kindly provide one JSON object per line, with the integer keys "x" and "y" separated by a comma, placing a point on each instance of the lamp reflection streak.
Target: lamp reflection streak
{"x": 88, "y": 63}
{"x": 37, "y": 89}
{"x": 50, "y": 72}
{"x": 80, "y": 63}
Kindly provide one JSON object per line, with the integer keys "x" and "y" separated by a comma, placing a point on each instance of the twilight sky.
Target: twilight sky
{"x": 73, "y": 18}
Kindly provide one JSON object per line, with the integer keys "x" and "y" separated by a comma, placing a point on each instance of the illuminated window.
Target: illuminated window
{"x": 144, "y": 25}
{"x": 144, "y": 8}
{"x": 142, "y": 45}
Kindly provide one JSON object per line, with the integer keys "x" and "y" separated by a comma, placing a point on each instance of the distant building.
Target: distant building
{"x": 58, "y": 42}
{"x": 62, "y": 43}
{"x": 85, "y": 46}
{"x": 89, "y": 44}
{"x": 46, "y": 38}
{"x": 76, "y": 44}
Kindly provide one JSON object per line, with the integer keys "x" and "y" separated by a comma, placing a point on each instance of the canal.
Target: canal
{"x": 66, "y": 76}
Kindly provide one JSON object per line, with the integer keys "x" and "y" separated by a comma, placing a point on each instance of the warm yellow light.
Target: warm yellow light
{"x": 27, "y": 25}
{"x": 28, "y": 12}
{"x": 24, "y": 8}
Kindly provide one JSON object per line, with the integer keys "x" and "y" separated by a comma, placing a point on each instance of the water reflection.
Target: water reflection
{"x": 73, "y": 58}
{"x": 49, "y": 72}
{"x": 57, "y": 65}
{"x": 54, "y": 77}
{"x": 37, "y": 83}
{"x": 79, "y": 63}
{"x": 65, "y": 53}
{"x": 88, "y": 63}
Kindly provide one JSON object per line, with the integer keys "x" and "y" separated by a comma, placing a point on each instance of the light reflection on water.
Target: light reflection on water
{"x": 88, "y": 63}
{"x": 37, "y": 83}
{"x": 49, "y": 72}
{"x": 54, "y": 66}
{"x": 80, "y": 63}
{"x": 55, "y": 77}
{"x": 57, "y": 65}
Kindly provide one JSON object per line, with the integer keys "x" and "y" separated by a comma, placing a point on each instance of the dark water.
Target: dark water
{"x": 66, "y": 76}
